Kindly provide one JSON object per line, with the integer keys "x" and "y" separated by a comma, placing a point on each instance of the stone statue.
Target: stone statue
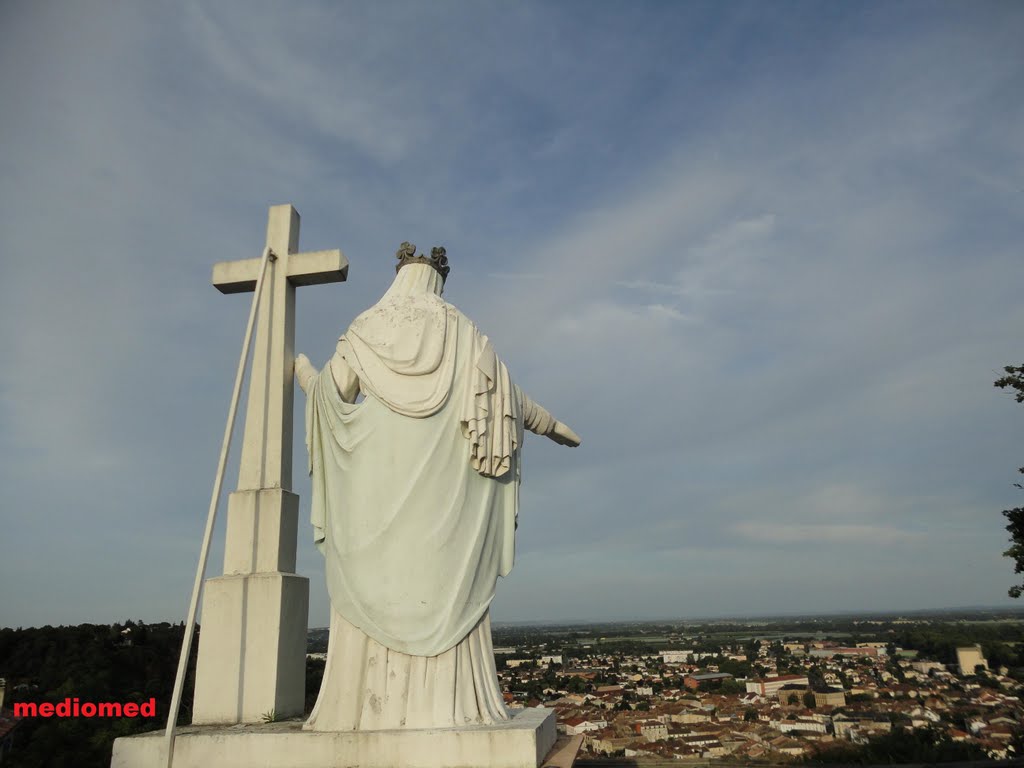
{"x": 415, "y": 496}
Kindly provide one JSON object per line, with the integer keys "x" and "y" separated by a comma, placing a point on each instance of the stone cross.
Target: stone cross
{"x": 252, "y": 644}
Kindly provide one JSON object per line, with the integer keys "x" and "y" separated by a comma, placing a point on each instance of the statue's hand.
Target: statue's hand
{"x": 304, "y": 371}
{"x": 563, "y": 435}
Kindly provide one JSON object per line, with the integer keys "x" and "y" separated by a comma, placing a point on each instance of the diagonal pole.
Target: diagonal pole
{"x": 186, "y": 643}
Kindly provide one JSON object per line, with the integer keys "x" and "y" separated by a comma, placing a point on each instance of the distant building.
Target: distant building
{"x": 771, "y": 685}
{"x": 882, "y": 647}
{"x": 925, "y": 667}
{"x": 804, "y": 724}
{"x": 576, "y": 725}
{"x": 700, "y": 740}
{"x": 828, "y": 653}
{"x": 833, "y": 697}
{"x": 792, "y": 693}
{"x": 693, "y": 681}
{"x": 651, "y": 730}
{"x": 857, "y": 727}
{"x": 606, "y": 741}
{"x": 788, "y": 746}
{"x": 969, "y": 658}
{"x": 687, "y": 717}
{"x": 676, "y": 657}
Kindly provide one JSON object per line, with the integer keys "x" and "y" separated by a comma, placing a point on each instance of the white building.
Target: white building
{"x": 576, "y": 725}
{"x": 652, "y": 730}
{"x": 676, "y": 657}
{"x": 799, "y": 724}
{"x": 969, "y": 658}
{"x": 771, "y": 685}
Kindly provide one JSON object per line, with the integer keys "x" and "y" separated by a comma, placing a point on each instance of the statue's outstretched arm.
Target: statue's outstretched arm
{"x": 344, "y": 377}
{"x": 304, "y": 372}
{"x": 540, "y": 422}
{"x": 563, "y": 435}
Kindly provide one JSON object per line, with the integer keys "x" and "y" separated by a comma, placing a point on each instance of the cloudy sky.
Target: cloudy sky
{"x": 764, "y": 258}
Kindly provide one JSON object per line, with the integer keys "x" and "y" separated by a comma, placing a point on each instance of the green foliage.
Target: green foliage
{"x": 1000, "y": 654}
{"x": 939, "y": 641}
{"x": 576, "y": 685}
{"x": 95, "y": 663}
{"x": 752, "y": 648}
{"x": 1016, "y": 550}
{"x": 736, "y": 668}
{"x": 916, "y": 746}
{"x": 816, "y": 678}
{"x": 897, "y": 671}
{"x": 1014, "y": 380}
{"x": 314, "y": 676}
{"x": 731, "y": 687}
{"x": 809, "y": 700}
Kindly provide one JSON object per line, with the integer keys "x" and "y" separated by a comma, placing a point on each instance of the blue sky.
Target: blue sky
{"x": 764, "y": 257}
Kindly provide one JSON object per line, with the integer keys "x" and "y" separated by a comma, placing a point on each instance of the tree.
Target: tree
{"x": 576, "y": 685}
{"x": 1014, "y": 379}
{"x": 753, "y": 648}
{"x": 731, "y": 687}
{"x": 809, "y": 700}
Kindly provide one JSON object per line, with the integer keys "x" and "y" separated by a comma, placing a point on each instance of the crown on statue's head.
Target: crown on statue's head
{"x": 406, "y": 254}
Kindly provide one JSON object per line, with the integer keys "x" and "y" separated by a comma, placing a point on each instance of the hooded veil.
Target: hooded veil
{"x": 415, "y": 494}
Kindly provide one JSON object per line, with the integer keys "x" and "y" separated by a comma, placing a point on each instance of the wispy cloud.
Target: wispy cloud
{"x": 782, "y": 533}
{"x": 769, "y": 284}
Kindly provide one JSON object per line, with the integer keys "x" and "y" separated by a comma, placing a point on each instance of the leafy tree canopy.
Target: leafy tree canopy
{"x": 1014, "y": 380}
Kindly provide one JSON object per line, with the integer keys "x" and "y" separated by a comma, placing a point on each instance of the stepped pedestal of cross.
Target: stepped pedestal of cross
{"x": 252, "y": 645}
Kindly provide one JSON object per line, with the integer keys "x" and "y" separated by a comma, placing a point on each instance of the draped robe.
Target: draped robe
{"x": 415, "y": 496}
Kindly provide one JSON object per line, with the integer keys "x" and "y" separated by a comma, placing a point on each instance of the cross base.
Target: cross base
{"x": 252, "y": 650}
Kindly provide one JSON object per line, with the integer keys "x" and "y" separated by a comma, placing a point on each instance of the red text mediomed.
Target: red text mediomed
{"x": 75, "y": 708}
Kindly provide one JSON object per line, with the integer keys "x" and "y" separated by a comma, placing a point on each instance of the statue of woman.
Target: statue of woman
{"x": 415, "y": 496}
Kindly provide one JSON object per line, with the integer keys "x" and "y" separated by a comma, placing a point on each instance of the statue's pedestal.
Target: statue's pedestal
{"x": 521, "y": 742}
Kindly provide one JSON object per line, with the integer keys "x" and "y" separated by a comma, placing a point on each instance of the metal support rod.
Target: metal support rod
{"x": 190, "y": 626}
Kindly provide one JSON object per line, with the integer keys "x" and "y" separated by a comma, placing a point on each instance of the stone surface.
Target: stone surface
{"x": 563, "y": 753}
{"x": 521, "y": 742}
{"x": 309, "y": 268}
{"x": 252, "y": 649}
{"x": 261, "y": 530}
